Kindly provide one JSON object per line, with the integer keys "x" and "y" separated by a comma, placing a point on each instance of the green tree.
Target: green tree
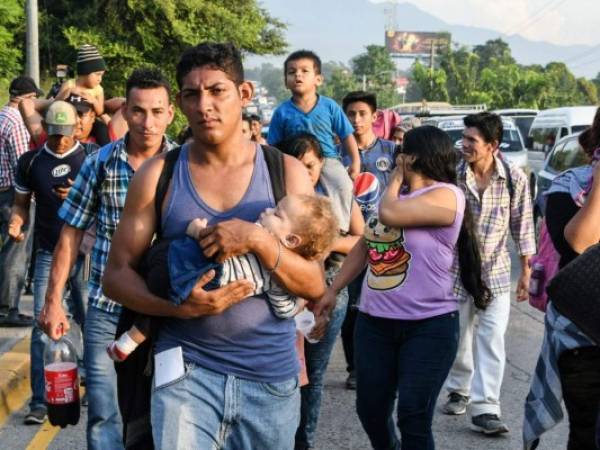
{"x": 494, "y": 52}
{"x": 339, "y": 82}
{"x": 379, "y": 70}
{"x": 430, "y": 83}
{"x": 271, "y": 78}
{"x": 11, "y": 42}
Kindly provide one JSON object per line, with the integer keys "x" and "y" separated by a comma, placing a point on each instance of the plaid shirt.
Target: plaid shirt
{"x": 494, "y": 214}
{"x": 88, "y": 202}
{"x": 14, "y": 141}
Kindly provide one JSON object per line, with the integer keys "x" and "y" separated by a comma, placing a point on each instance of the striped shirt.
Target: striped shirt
{"x": 98, "y": 193}
{"x": 14, "y": 141}
{"x": 496, "y": 214}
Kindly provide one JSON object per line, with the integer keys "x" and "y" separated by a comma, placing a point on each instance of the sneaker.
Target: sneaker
{"x": 351, "y": 381}
{"x": 36, "y": 416}
{"x": 456, "y": 404}
{"x": 488, "y": 424}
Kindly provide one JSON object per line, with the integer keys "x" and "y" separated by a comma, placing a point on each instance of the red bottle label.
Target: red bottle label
{"x": 62, "y": 383}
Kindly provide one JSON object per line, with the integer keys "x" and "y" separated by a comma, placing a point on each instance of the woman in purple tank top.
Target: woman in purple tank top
{"x": 407, "y": 331}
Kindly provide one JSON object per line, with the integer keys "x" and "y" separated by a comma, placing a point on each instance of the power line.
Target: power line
{"x": 583, "y": 64}
{"x": 584, "y": 54}
{"x": 524, "y": 25}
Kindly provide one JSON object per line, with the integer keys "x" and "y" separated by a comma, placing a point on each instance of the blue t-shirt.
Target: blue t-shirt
{"x": 326, "y": 120}
{"x": 376, "y": 164}
{"x": 39, "y": 172}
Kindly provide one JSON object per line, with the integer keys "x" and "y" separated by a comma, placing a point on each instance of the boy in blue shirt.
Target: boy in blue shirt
{"x": 308, "y": 112}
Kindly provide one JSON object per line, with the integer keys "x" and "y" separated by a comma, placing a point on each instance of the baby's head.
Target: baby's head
{"x": 305, "y": 224}
{"x": 90, "y": 66}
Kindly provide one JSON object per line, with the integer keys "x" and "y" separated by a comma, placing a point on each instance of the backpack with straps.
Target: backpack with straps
{"x": 134, "y": 375}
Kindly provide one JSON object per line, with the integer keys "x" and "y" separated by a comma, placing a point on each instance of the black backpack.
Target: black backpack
{"x": 134, "y": 375}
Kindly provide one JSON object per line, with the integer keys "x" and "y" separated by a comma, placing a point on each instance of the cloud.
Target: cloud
{"x": 557, "y": 21}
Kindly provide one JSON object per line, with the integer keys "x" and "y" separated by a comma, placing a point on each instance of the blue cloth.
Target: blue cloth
{"x": 88, "y": 201}
{"x": 104, "y": 424}
{"x": 317, "y": 358}
{"x": 246, "y": 340}
{"x": 543, "y": 408}
{"x": 76, "y": 303}
{"x": 411, "y": 358}
{"x": 208, "y": 410}
{"x": 326, "y": 121}
{"x": 376, "y": 164}
{"x": 187, "y": 264}
{"x": 573, "y": 181}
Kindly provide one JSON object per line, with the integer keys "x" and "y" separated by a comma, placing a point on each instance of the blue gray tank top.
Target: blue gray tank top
{"x": 247, "y": 340}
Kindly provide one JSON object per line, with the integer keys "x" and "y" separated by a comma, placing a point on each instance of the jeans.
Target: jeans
{"x": 580, "y": 378}
{"x": 14, "y": 256}
{"x": 76, "y": 303}
{"x": 405, "y": 358}
{"x": 104, "y": 427}
{"x": 208, "y": 410}
{"x": 317, "y": 358}
{"x": 484, "y": 366}
{"x": 354, "y": 290}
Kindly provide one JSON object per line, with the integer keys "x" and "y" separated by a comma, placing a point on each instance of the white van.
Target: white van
{"x": 523, "y": 118}
{"x": 551, "y": 125}
{"x": 512, "y": 146}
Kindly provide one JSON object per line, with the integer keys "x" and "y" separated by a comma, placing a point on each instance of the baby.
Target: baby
{"x": 90, "y": 69}
{"x": 304, "y": 224}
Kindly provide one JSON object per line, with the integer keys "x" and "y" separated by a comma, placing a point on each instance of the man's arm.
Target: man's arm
{"x": 19, "y": 216}
{"x": 31, "y": 111}
{"x": 53, "y": 319}
{"x": 583, "y": 231}
{"x": 351, "y": 147}
{"x": 237, "y": 237}
{"x": 522, "y": 230}
{"x": 133, "y": 237}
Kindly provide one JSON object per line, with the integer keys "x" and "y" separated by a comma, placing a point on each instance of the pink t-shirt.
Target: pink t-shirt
{"x": 409, "y": 274}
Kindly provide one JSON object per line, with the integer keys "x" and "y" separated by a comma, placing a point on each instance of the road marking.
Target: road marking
{"x": 14, "y": 379}
{"x": 47, "y": 433}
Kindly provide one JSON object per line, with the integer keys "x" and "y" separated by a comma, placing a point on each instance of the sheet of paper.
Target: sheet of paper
{"x": 168, "y": 366}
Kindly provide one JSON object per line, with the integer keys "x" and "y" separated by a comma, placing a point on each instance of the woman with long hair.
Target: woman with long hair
{"x": 407, "y": 331}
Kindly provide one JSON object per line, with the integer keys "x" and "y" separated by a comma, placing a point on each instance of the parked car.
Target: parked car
{"x": 566, "y": 154}
{"x": 523, "y": 118}
{"x": 512, "y": 146}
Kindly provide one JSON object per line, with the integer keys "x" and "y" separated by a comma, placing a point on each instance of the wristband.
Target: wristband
{"x": 278, "y": 260}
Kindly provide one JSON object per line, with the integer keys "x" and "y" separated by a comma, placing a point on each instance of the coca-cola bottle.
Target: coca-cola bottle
{"x": 62, "y": 382}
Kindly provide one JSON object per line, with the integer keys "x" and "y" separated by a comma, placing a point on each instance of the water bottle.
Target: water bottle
{"x": 536, "y": 281}
{"x": 62, "y": 382}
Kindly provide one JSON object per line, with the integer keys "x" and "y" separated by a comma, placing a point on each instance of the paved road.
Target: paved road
{"x": 339, "y": 426}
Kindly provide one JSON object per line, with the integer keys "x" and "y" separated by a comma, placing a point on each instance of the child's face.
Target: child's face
{"x": 301, "y": 76}
{"x": 246, "y": 130}
{"x": 93, "y": 79}
{"x": 361, "y": 117}
{"x": 280, "y": 220}
{"x": 313, "y": 164}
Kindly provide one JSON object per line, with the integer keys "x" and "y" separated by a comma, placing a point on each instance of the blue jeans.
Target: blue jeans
{"x": 76, "y": 303}
{"x": 207, "y": 410}
{"x": 14, "y": 256}
{"x": 317, "y": 358}
{"x": 405, "y": 358}
{"x": 104, "y": 427}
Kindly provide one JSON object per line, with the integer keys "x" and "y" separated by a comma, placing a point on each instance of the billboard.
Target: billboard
{"x": 415, "y": 42}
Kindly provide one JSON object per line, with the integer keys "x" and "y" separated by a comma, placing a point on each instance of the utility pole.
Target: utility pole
{"x": 431, "y": 63}
{"x": 364, "y": 82}
{"x": 32, "y": 60}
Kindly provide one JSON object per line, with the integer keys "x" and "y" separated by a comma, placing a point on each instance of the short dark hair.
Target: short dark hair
{"x": 360, "y": 96}
{"x": 147, "y": 78}
{"x": 255, "y": 118}
{"x": 590, "y": 138}
{"x": 220, "y": 56}
{"x": 297, "y": 146}
{"x": 247, "y": 118}
{"x": 489, "y": 125}
{"x": 303, "y": 54}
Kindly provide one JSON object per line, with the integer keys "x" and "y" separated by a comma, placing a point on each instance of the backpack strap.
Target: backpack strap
{"x": 103, "y": 155}
{"x": 274, "y": 161}
{"x": 509, "y": 180}
{"x": 162, "y": 186}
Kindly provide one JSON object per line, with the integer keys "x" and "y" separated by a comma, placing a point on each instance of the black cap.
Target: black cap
{"x": 23, "y": 85}
{"x": 80, "y": 104}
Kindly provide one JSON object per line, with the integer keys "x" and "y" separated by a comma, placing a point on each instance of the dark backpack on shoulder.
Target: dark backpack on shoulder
{"x": 134, "y": 375}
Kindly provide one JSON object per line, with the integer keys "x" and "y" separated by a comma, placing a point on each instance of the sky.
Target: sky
{"x": 557, "y": 21}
